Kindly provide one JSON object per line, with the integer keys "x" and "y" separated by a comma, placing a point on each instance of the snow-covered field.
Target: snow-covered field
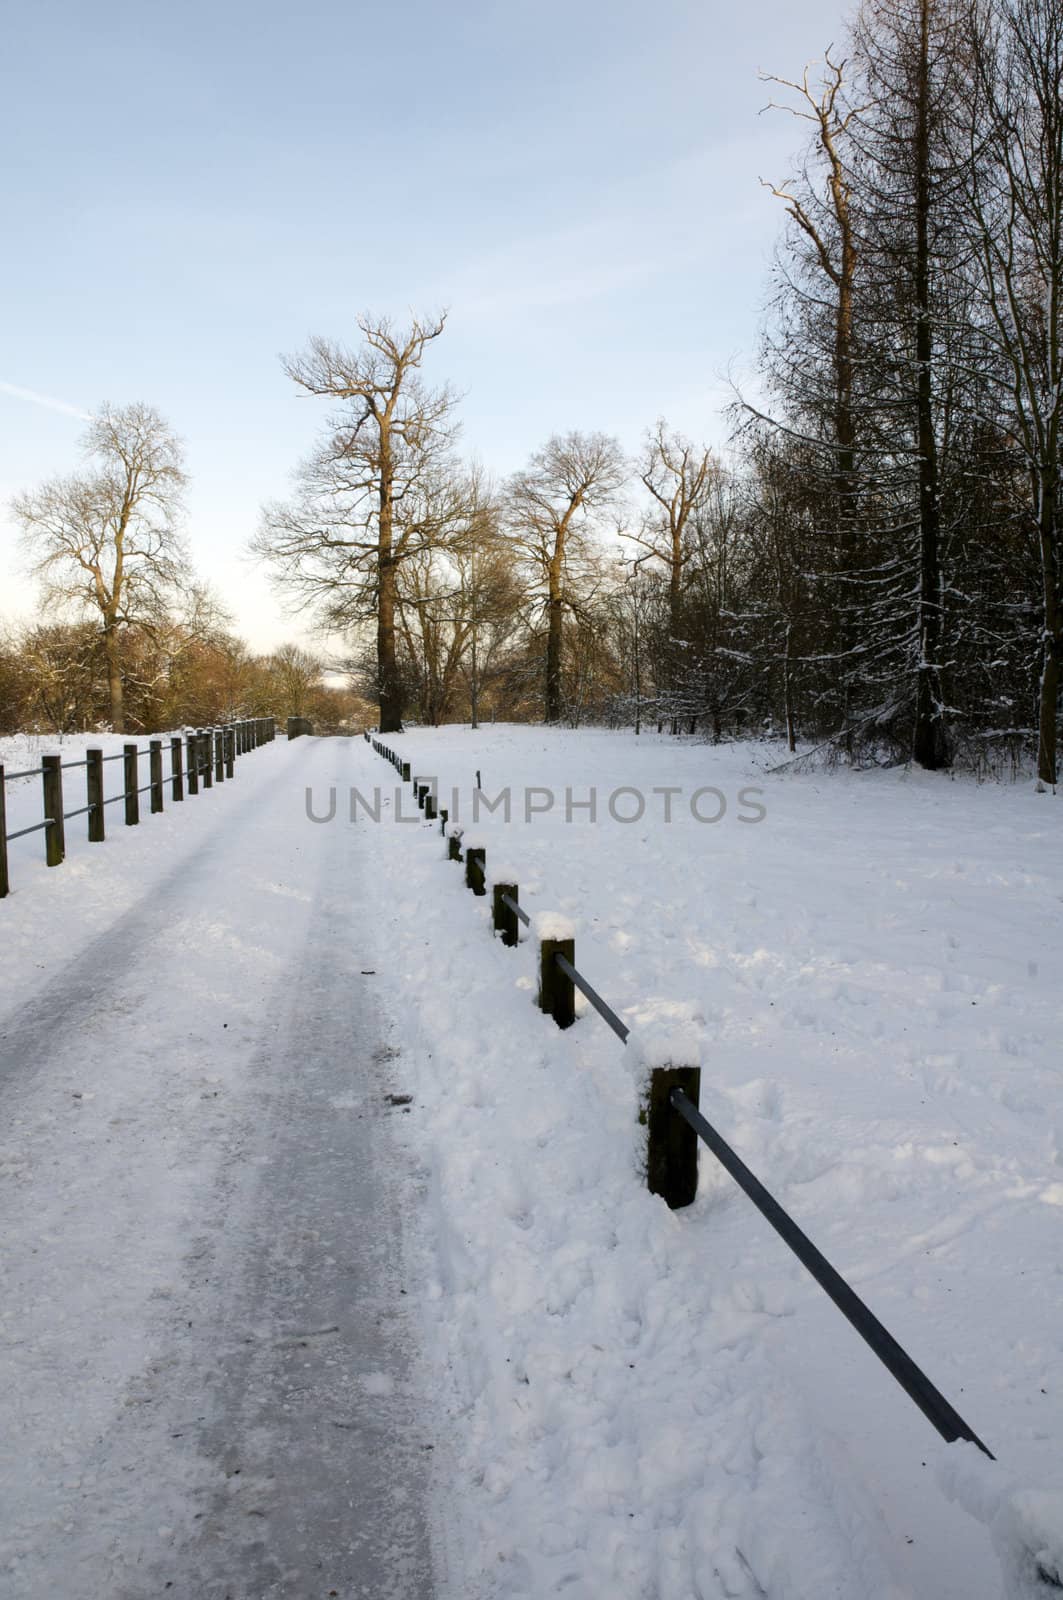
{"x": 623, "y": 1401}
{"x": 656, "y": 1404}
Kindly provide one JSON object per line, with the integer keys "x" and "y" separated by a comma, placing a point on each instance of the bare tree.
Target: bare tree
{"x": 679, "y": 477}
{"x": 1015, "y": 198}
{"x": 105, "y": 542}
{"x": 549, "y": 507}
{"x": 296, "y": 673}
{"x": 376, "y": 492}
{"x": 824, "y": 215}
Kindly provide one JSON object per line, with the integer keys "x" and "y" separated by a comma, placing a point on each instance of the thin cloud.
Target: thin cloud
{"x": 46, "y": 400}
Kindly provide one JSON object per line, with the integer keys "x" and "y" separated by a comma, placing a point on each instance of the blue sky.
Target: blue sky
{"x": 190, "y": 190}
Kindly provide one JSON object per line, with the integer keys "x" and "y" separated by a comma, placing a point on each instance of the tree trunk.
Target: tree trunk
{"x": 115, "y": 688}
{"x": 929, "y": 747}
{"x": 474, "y": 687}
{"x": 1048, "y": 710}
{"x": 389, "y": 691}
{"x": 553, "y": 643}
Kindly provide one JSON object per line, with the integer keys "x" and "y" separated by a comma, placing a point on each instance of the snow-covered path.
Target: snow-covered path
{"x": 265, "y": 1334}
{"x": 207, "y": 1365}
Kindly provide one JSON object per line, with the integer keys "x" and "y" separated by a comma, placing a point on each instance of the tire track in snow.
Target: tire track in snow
{"x": 183, "y": 1224}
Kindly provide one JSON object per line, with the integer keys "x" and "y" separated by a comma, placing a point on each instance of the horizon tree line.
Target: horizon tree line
{"x": 873, "y": 573}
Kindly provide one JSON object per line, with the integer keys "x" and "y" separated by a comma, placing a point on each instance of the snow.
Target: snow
{"x": 199, "y": 1018}
{"x": 656, "y": 1403}
{"x": 552, "y": 925}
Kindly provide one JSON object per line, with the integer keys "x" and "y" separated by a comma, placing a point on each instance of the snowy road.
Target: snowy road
{"x": 207, "y": 1372}
{"x": 212, "y": 1382}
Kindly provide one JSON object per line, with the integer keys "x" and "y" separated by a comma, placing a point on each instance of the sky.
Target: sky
{"x": 192, "y": 190}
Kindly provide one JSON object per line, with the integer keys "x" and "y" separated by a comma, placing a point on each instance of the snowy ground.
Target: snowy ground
{"x": 656, "y": 1404}
{"x": 205, "y": 1358}
{"x": 200, "y": 1172}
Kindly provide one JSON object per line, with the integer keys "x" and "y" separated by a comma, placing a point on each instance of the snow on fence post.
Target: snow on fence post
{"x": 155, "y": 773}
{"x": 476, "y": 869}
{"x": 54, "y": 836}
{"x": 130, "y": 774}
{"x": 454, "y": 843}
{"x": 557, "y": 992}
{"x": 5, "y": 882}
{"x": 177, "y": 784}
{"x": 94, "y": 795}
{"x": 206, "y": 764}
{"x": 505, "y": 919}
{"x": 671, "y": 1143}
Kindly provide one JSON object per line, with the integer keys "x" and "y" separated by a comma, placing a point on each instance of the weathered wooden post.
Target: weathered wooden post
{"x": 505, "y": 919}
{"x": 430, "y": 807}
{"x": 405, "y": 772}
{"x": 155, "y": 773}
{"x": 557, "y": 992}
{"x": 94, "y": 795}
{"x": 671, "y": 1143}
{"x": 476, "y": 869}
{"x": 206, "y": 764}
{"x": 130, "y": 774}
{"x": 54, "y": 836}
{"x": 5, "y": 882}
{"x": 443, "y": 814}
{"x": 454, "y": 844}
{"x": 219, "y": 755}
{"x": 177, "y": 781}
{"x": 230, "y": 753}
{"x": 422, "y": 793}
{"x": 192, "y": 748}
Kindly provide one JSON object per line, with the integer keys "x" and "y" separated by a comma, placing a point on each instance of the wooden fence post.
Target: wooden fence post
{"x": 219, "y": 756}
{"x": 405, "y": 772}
{"x": 557, "y": 992}
{"x": 207, "y": 767}
{"x": 5, "y": 881}
{"x": 505, "y": 920}
{"x": 131, "y": 773}
{"x": 177, "y": 782}
{"x": 230, "y": 753}
{"x": 94, "y": 795}
{"x": 430, "y": 807}
{"x": 476, "y": 869}
{"x": 671, "y": 1143}
{"x": 155, "y": 773}
{"x": 191, "y": 746}
{"x": 454, "y": 845}
{"x": 54, "y": 836}
{"x": 443, "y": 815}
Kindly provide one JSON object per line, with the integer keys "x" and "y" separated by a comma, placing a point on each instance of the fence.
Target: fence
{"x": 674, "y": 1124}
{"x": 203, "y": 757}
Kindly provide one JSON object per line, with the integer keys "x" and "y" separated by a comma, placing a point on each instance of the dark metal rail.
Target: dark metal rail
{"x": 49, "y": 822}
{"x": 605, "y": 1011}
{"x": 517, "y": 910}
{"x": 912, "y": 1379}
